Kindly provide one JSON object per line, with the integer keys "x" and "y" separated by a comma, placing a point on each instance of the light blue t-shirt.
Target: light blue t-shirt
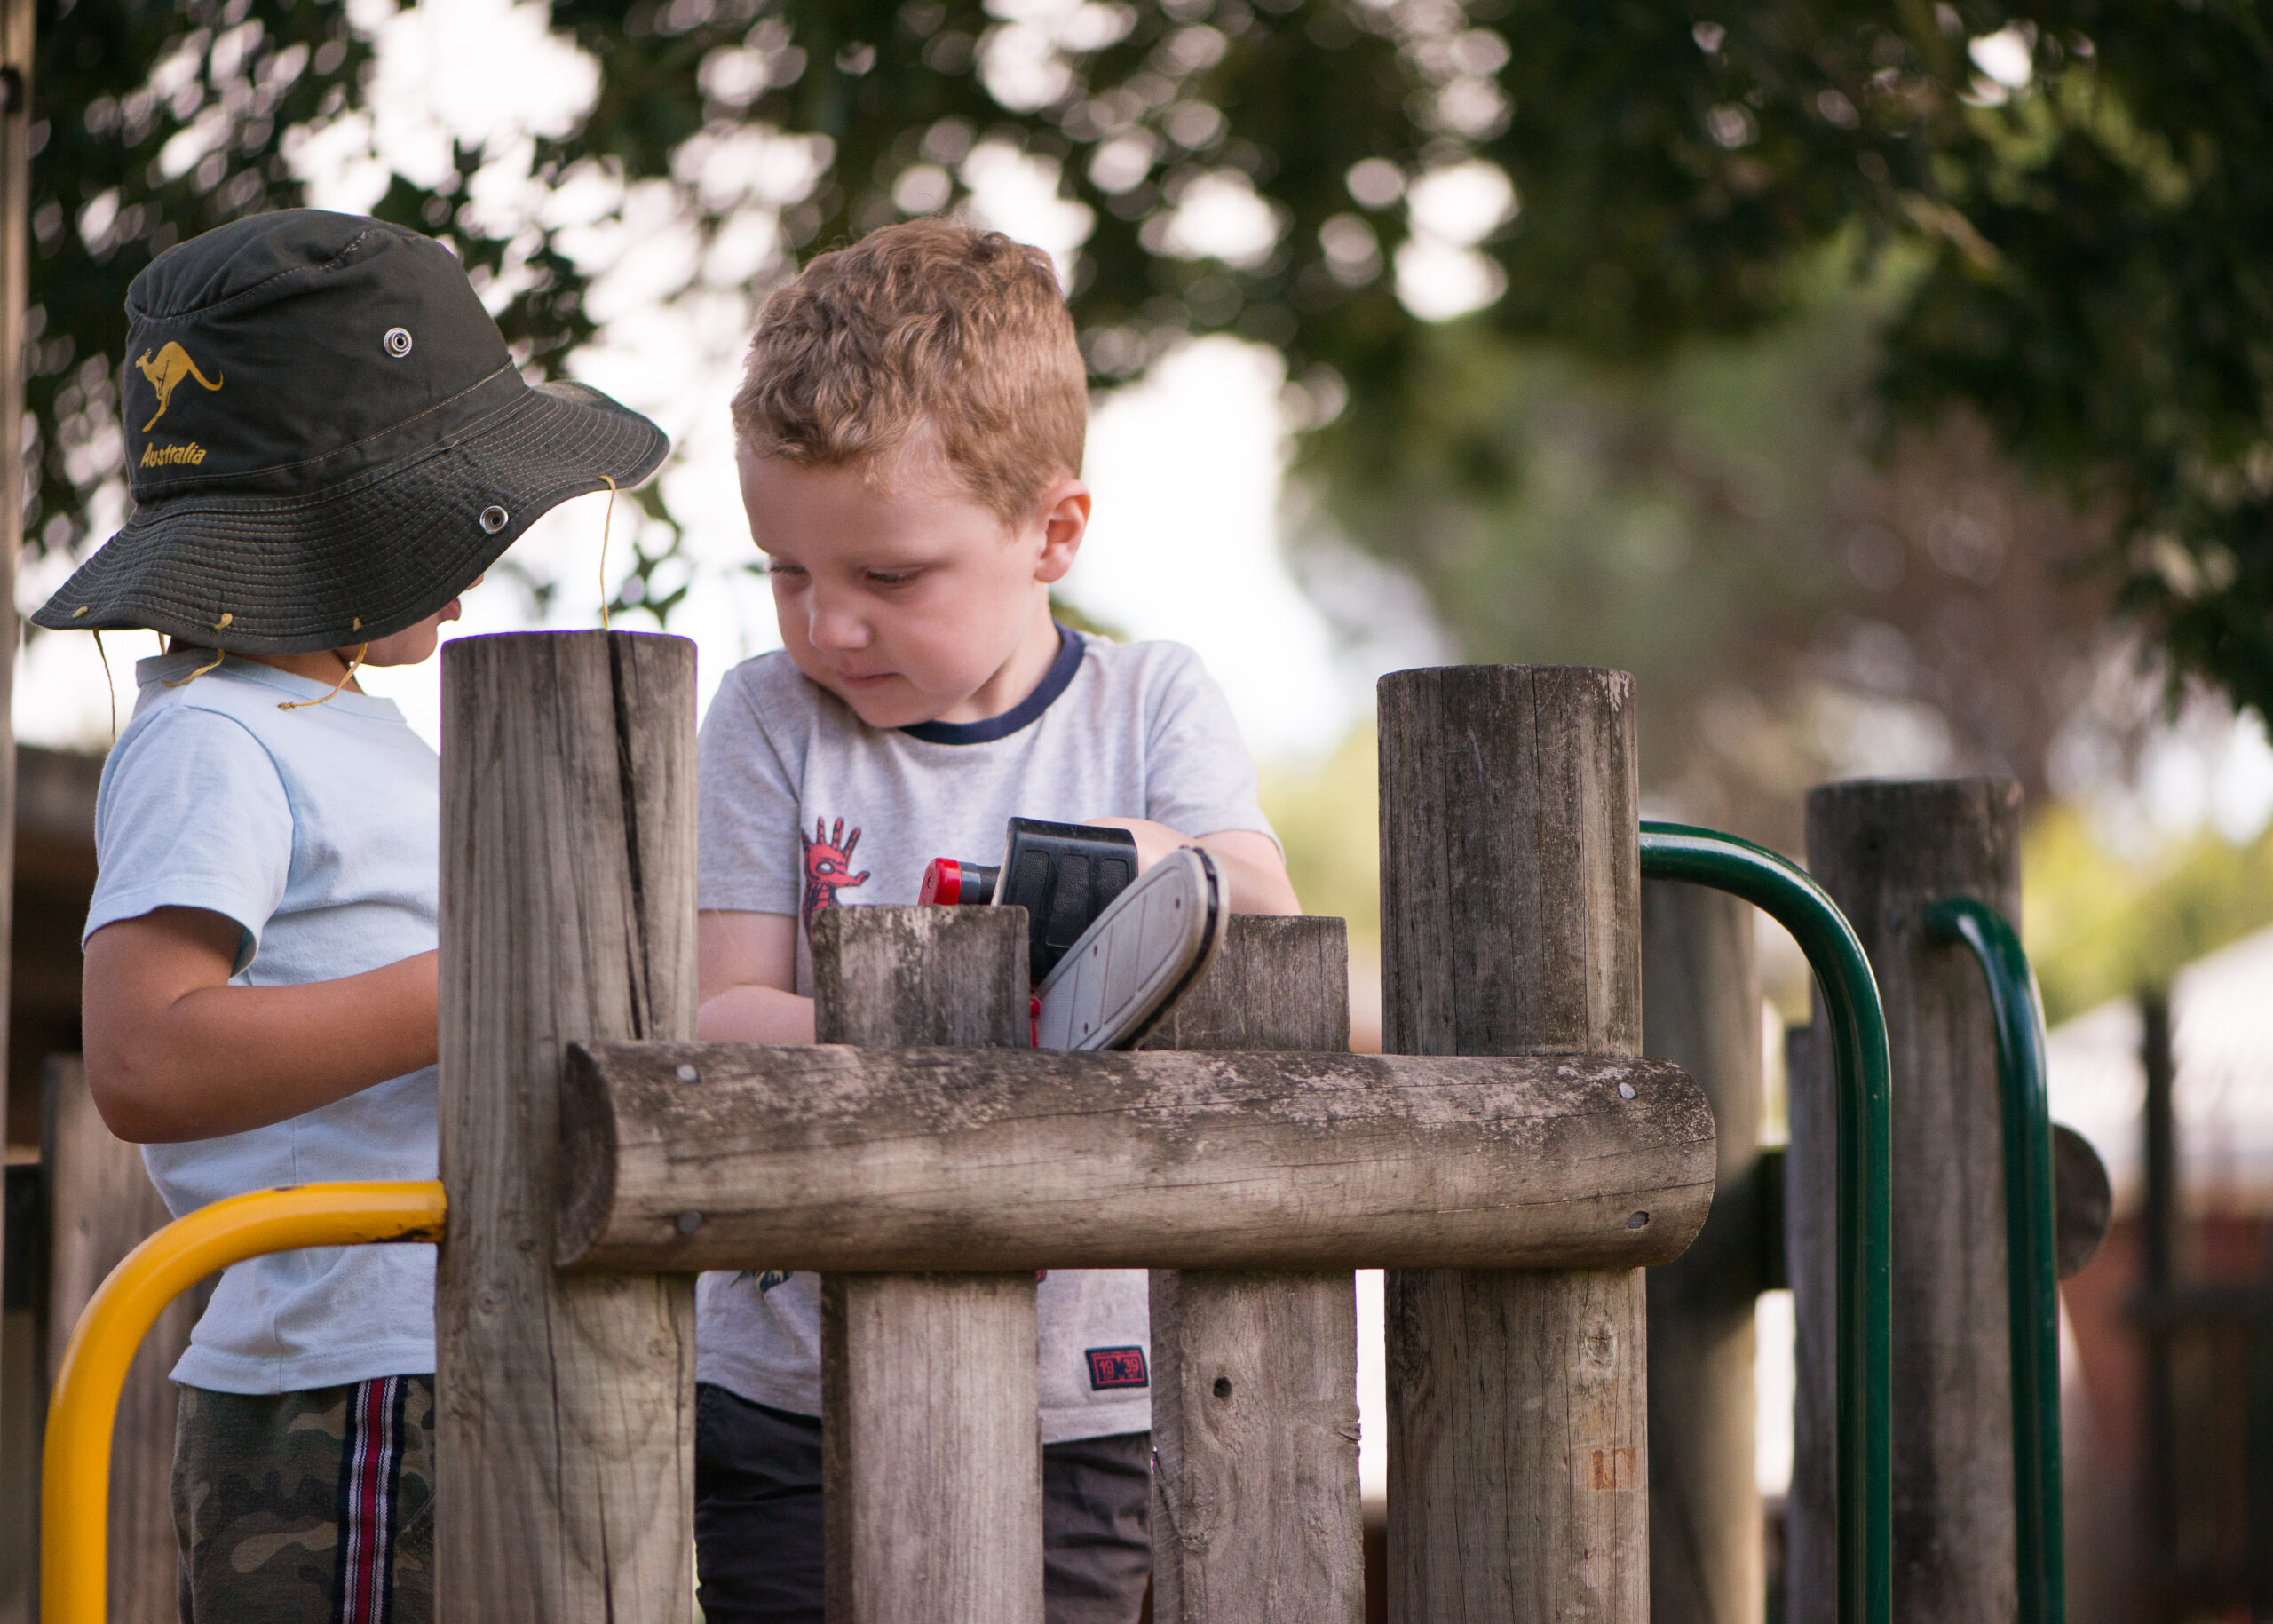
{"x": 318, "y": 831}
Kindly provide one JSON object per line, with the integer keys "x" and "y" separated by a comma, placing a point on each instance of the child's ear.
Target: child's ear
{"x": 1064, "y": 521}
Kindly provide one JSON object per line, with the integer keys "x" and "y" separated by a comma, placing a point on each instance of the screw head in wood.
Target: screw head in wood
{"x": 687, "y": 1073}
{"x": 689, "y": 1222}
{"x": 1639, "y": 1220}
{"x": 1624, "y": 1090}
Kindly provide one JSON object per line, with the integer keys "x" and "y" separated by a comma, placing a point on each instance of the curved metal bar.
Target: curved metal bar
{"x": 1863, "y": 1468}
{"x": 2031, "y": 1260}
{"x": 74, "y": 1503}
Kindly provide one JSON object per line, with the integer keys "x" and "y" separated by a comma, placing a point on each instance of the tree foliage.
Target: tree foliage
{"x": 2074, "y": 191}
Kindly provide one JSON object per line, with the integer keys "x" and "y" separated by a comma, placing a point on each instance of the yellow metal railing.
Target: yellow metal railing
{"x": 74, "y": 1503}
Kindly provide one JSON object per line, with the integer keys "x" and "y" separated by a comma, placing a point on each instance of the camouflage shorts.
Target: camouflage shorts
{"x": 307, "y": 1508}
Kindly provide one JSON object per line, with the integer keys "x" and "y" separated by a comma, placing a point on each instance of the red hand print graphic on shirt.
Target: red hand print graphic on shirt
{"x": 829, "y": 860}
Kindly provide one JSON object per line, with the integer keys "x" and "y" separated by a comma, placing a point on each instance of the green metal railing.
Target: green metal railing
{"x": 2032, "y": 1262}
{"x": 1862, "y": 1471}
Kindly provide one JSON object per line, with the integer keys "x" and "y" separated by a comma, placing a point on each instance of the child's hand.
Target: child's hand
{"x": 1254, "y": 874}
{"x": 1154, "y": 841}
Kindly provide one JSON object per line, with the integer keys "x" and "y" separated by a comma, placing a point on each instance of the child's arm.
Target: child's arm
{"x": 174, "y": 1052}
{"x": 1253, "y": 871}
{"x": 745, "y": 965}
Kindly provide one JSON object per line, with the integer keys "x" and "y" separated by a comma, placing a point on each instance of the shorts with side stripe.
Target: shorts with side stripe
{"x": 307, "y": 1508}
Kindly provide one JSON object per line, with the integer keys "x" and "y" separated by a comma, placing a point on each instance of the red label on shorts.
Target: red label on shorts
{"x": 1117, "y": 1367}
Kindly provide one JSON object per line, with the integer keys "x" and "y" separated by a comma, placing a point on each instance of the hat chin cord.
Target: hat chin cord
{"x": 110, "y": 687}
{"x": 345, "y": 677}
{"x": 607, "y": 522}
{"x": 218, "y": 655}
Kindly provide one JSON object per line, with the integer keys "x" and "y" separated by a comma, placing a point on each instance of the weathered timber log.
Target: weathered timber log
{"x": 1278, "y": 984}
{"x": 1812, "y": 1269}
{"x": 930, "y": 1445}
{"x": 21, "y": 136}
{"x": 940, "y": 976}
{"x": 1884, "y": 850}
{"x": 855, "y": 1159}
{"x": 1701, "y": 1010}
{"x": 1510, "y": 923}
{"x": 101, "y": 1205}
{"x": 1256, "y": 1511}
{"x": 565, "y": 1433}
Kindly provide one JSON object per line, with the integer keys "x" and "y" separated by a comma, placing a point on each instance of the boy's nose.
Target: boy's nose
{"x": 833, "y": 628}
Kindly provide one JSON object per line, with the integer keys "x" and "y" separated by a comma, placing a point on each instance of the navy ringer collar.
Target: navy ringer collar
{"x": 1024, "y": 714}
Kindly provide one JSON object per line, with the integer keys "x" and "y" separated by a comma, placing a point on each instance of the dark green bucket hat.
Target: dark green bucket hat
{"x": 326, "y": 441}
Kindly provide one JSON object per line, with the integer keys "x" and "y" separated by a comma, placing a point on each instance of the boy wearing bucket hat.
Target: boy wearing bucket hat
{"x": 327, "y": 442}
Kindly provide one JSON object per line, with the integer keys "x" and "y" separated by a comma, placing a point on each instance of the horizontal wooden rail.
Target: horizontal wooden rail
{"x": 678, "y": 1156}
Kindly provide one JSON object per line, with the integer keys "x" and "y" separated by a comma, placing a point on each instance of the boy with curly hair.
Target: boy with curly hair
{"x": 909, "y": 434}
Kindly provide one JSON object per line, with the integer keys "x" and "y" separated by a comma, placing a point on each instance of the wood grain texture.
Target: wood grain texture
{"x": 825, "y": 1157}
{"x": 564, "y": 1436}
{"x": 931, "y": 1447}
{"x": 938, "y": 977}
{"x": 1278, "y": 984}
{"x": 931, "y": 1443}
{"x": 1701, "y": 1010}
{"x": 101, "y": 1205}
{"x": 1511, "y": 865}
{"x": 1810, "y": 1263}
{"x": 1518, "y": 1393}
{"x": 1256, "y": 1513}
{"x": 1883, "y": 850}
{"x": 17, "y": 52}
{"x": 1510, "y": 923}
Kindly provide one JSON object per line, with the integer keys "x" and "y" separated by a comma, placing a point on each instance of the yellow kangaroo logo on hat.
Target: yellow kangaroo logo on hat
{"x": 173, "y": 365}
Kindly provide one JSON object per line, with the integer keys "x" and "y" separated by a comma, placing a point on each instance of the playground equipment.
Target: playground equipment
{"x": 77, "y": 1476}
{"x": 1516, "y": 1162}
{"x": 2031, "y": 1273}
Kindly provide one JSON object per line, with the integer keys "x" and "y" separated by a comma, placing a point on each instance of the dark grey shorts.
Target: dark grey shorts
{"x": 757, "y": 1518}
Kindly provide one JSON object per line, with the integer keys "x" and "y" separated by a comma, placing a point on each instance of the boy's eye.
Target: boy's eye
{"x": 785, "y": 569}
{"x": 893, "y": 577}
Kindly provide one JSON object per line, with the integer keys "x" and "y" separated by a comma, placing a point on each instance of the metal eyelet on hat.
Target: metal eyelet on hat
{"x": 398, "y": 342}
{"x": 495, "y": 519}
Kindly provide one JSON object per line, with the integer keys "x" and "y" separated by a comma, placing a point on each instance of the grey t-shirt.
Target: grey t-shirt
{"x": 805, "y": 806}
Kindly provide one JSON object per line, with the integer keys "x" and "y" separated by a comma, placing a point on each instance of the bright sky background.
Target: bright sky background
{"x": 1186, "y": 465}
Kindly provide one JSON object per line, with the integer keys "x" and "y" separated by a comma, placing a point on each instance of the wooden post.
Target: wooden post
{"x": 1254, "y": 1408}
{"x": 565, "y": 1434}
{"x": 1510, "y": 922}
{"x": 931, "y": 1439}
{"x": 1701, "y": 1004}
{"x": 101, "y": 1205}
{"x": 1883, "y": 850}
{"x": 15, "y": 261}
{"x": 1810, "y": 1263}
{"x": 2159, "y": 1275}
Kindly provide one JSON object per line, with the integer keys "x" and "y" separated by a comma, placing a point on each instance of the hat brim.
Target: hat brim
{"x": 363, "y": 559}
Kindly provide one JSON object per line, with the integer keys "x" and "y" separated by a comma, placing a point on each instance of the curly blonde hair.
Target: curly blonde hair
{"x": 928, "y": 325}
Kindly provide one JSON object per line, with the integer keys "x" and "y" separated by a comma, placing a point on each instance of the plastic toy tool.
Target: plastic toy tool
{"x": 1111, "y": 954}
{"x": 1064, "y": 874}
